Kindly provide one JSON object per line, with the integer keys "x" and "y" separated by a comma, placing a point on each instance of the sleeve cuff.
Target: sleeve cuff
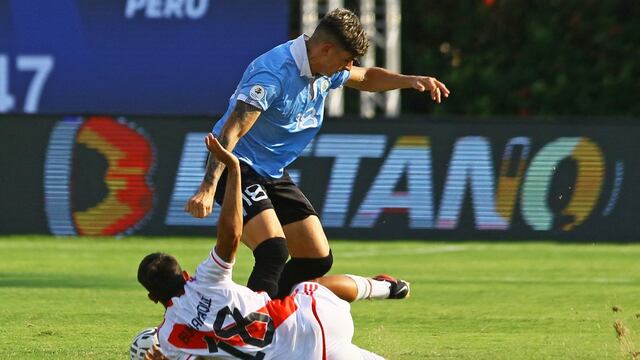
{"x": 244, "y": 98}
{"x": 221, "y": 263}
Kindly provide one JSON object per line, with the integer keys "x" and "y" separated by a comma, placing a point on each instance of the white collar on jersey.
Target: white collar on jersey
{"x": 299, "y": 52}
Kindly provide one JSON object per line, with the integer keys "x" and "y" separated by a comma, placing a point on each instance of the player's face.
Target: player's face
{"x": 336, "y": 60}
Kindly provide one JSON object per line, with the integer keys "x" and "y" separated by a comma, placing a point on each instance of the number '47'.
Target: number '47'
{"x": 40, "y": 64}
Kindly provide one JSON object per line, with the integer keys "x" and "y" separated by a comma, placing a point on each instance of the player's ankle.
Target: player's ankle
{"x": 368, "y": 288}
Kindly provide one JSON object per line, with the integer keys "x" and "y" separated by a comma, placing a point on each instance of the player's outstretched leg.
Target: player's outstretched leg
{"x": 353, "y": 287}
{"x": 398, "y": 289}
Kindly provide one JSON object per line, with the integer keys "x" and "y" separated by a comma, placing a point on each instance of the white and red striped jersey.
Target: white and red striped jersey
{"x": 218, "y": 318}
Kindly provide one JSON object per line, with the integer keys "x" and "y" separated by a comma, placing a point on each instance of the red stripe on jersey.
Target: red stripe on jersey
{"x": 280, "y": 309}
{"x": 315, "y": 313}
{"x": 213, "y": 256}
{"x": 185, "y": 337}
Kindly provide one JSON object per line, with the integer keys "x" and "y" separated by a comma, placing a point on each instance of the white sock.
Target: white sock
{"x": 369, "y": 288}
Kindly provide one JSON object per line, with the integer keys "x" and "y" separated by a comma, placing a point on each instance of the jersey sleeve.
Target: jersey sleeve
{"x": 214, "y": 270}
{"x": 261, "y": 88}
{"x": 339, "y": 79}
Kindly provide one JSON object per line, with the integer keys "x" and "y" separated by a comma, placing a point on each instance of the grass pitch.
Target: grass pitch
{"x": 77, "y": 298}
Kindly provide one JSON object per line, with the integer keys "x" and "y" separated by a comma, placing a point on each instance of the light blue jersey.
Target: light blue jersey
{"x": 280, "y": 83}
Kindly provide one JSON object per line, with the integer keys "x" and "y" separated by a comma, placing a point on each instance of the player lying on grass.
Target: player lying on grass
{"x": 210, "y": 316}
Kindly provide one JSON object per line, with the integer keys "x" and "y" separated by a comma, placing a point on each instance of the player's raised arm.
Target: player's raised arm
{"x": 240, "y": 121}
{"x": 230, "y": 221}
{"x": 377, "y": 79}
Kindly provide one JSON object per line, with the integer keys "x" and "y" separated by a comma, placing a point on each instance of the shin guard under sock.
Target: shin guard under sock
{"x": 298, "y": 270}
{"x": 270, "y": 257}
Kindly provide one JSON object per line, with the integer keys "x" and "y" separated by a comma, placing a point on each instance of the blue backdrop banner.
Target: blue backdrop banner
{"x": 130, "y": 56}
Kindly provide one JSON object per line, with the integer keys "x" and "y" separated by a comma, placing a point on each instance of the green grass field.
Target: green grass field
{"x": 78, "y": 298}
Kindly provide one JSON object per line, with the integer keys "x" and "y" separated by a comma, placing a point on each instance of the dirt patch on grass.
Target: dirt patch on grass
{"x": 627, "y": 346}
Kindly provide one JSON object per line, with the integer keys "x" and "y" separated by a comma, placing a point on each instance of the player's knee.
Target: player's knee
{"x": 316, "y": 267}
{"x": 271, "y": 252}
{"x": 298, "y": 270}
{"x": 326, "y": 263}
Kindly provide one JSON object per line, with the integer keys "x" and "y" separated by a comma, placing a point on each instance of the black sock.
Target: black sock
{"x": 298, "y": 270}
{"x": 270, "y": 257}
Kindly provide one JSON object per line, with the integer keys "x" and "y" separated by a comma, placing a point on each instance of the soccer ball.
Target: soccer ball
{"x": 143, "y": 342}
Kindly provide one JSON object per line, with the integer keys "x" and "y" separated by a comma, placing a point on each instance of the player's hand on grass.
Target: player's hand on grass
{"x": 222, "y": 154}
{"x": 431, "y": 84}
{"x": 154, "y": 354}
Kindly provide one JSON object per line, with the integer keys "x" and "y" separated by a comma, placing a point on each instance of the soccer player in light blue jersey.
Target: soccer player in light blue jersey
{"x": 274, "y": 113}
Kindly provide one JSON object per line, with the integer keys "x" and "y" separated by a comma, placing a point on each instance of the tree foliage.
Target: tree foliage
{"x": 525, "y": 57}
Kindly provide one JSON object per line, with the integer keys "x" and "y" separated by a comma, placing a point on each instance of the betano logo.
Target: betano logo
{"x": 558, "y": 187}
{"x": 79, "y": 202}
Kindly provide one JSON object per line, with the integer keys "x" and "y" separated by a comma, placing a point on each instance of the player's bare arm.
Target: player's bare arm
{"x": 230, "y": 221}
{"x": 239, "y": 123}
{"x": 377, "y": 79}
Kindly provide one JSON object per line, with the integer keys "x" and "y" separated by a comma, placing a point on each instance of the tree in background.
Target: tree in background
{"x": 519, "y": 57}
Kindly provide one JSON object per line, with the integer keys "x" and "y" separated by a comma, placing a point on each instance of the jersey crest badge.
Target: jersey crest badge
{"x": 324, "y": 85}
{"x": 257, "y": 92}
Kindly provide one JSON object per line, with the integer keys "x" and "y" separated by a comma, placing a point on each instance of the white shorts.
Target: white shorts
{"x": 335, "y": 318}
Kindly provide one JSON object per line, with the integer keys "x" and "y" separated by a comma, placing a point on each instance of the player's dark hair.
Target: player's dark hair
{"x": 345, "y": 28}
{"x": 161, "y": 275}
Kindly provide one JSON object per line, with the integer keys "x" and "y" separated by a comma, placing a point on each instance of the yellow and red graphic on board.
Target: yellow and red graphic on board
{"x": 129, "y": 195}
{"x": 129, "y": 158}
